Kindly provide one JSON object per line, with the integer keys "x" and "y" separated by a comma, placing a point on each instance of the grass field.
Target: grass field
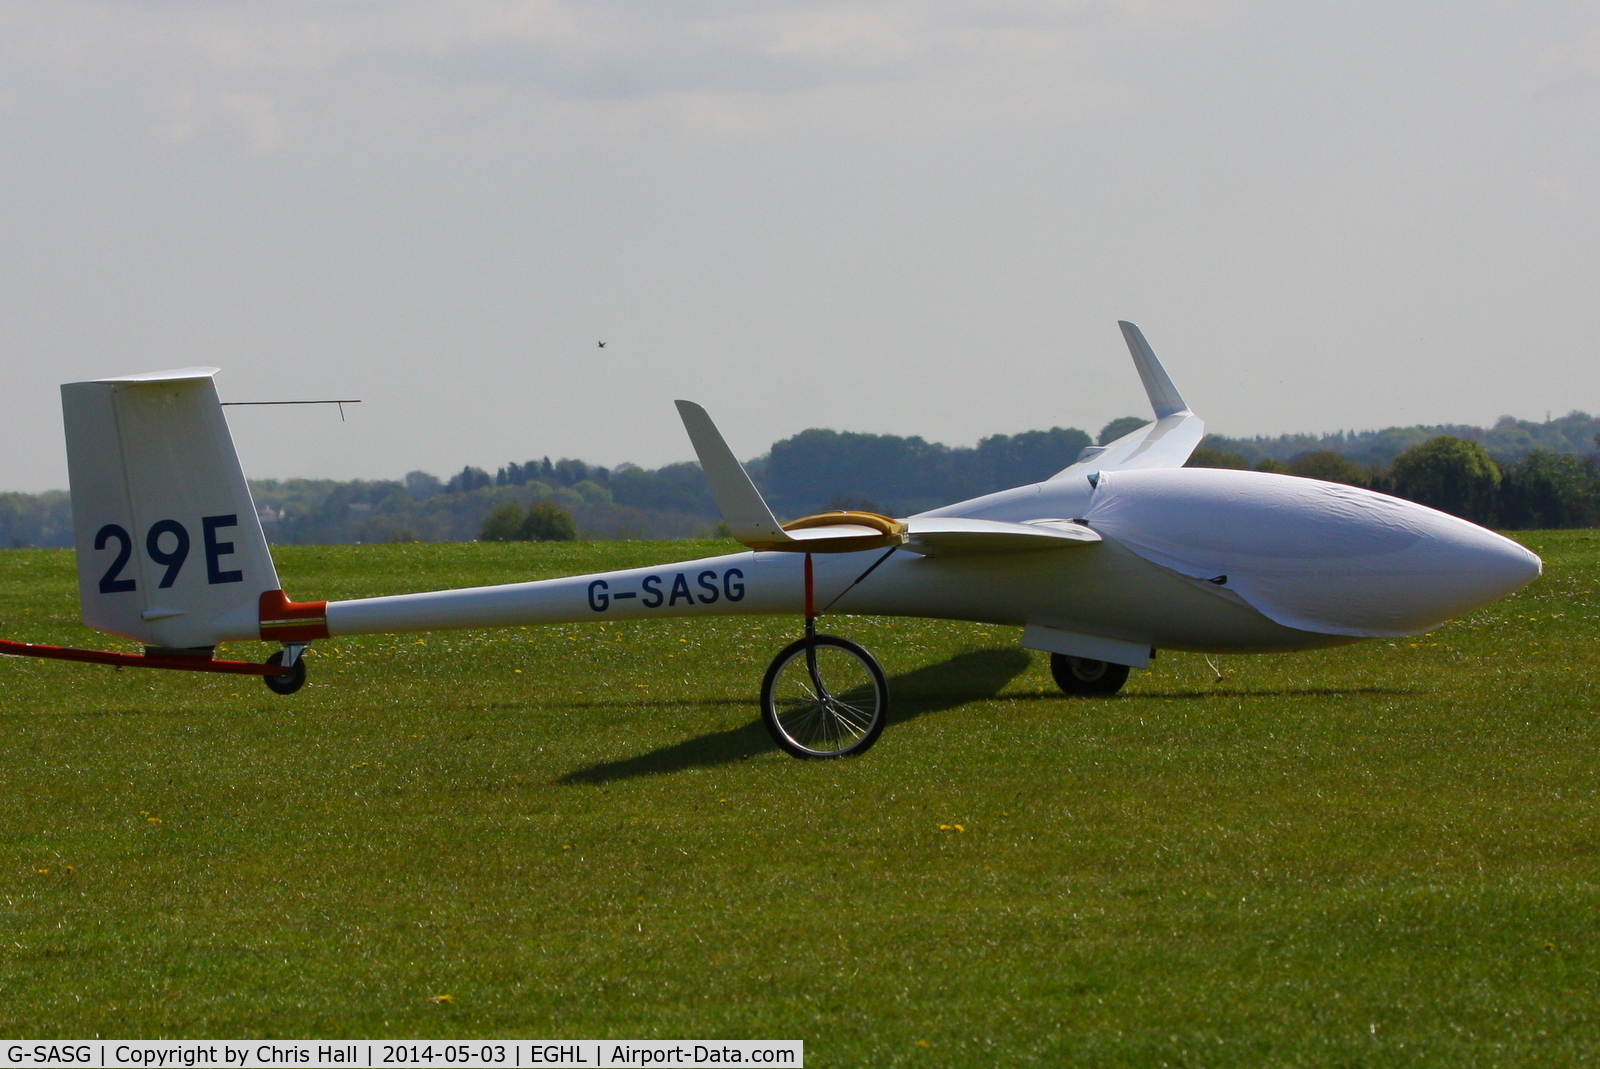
{"x": 1383, "y": 855}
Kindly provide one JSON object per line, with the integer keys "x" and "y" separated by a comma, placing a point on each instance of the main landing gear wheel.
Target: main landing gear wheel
{"x": 1080, "y": 677}
{"x": 290, "y": 683}
{"x": 824, "y": 696}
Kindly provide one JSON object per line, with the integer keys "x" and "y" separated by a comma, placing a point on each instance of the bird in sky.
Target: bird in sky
{"x": 602, "y": 345}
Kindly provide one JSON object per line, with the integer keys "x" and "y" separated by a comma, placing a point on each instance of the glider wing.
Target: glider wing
{"x": 955, "y": 536}
{"x": 752, "y": 522}
{"x": 747, "y": 515}
{"x": 1167, "y": 442}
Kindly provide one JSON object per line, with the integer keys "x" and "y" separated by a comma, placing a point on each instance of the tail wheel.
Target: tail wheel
{"x": 290, "y": 683}
{"x": 1081, "y": 677}
{"x": 824, "y": 697}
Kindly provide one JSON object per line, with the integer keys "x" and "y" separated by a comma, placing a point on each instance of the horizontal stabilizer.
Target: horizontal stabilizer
{"x": 952, "y": 536}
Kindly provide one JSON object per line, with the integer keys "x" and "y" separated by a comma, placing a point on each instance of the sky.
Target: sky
{"x": 910, "y": 218}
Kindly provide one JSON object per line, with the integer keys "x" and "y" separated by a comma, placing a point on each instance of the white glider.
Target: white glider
{"x": 1122, "y": 553}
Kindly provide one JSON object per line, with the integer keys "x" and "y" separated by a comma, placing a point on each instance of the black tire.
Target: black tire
{"x": 1080, "y": 677}
{"x": 290, "y": 683}
{"x": 852, "y": 713}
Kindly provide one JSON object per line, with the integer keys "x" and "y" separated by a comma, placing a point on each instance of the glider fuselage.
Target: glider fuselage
{"x": 1123, "y": 551}
{"x": 1389, "y": 567}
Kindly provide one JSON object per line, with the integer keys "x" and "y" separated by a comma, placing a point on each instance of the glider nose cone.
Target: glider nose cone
{"x": 1491, "y": 566}
{"x": 1452, "y": 568}
{"x": 1312, "y": 555}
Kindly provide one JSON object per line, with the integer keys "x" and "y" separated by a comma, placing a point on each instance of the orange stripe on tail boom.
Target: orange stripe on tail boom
{"x": 283, "y": 620}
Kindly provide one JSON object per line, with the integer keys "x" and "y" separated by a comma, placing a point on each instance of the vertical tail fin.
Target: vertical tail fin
{"x": 170, "y": 552}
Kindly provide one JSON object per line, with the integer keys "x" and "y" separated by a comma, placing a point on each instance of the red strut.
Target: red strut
{"x": 183, "y": 662}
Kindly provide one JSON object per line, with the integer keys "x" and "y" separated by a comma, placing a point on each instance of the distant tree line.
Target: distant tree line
{"x": 1516, "y": 474}
{"x": 817, "y": 469}
{"x": 1509, "y": 440}
{"x": 1542, "y": 489}
{"x": 598, "y": 504}
{"x": 35, "y": 519}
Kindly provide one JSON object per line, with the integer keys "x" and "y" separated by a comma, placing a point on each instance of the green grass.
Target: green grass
{"x": 1382, "y": 855}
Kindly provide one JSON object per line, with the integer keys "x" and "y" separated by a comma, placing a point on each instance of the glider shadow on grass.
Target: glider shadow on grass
{"x": 1201, "y": 693}
{"x": 967, "y": 677}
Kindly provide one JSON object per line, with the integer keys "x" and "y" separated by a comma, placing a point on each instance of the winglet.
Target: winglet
{"x": 1164, "y": 396}
{"x": 749, "y": 519}
{"x": 1166, "y": 443}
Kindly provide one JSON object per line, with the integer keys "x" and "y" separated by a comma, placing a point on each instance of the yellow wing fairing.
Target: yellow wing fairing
{"x": 837, "y": 532}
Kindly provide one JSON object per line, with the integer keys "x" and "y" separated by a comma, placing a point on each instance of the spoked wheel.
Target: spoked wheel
{"x": 824, "y": 696}
{"x": 1081, "y": 677}
{"x": 290, "y": 683}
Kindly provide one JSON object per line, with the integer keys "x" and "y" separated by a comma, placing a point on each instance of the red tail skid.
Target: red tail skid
{"x": 183, "y": 662}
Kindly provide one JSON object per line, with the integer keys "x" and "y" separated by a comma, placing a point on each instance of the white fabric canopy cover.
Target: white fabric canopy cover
{"x": 1311, "y": 555}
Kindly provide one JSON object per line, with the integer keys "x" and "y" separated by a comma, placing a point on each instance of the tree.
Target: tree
{"x": 468, "y": 480}
{"x": 1120, "y": 426}
{"x": 852, "y": 503}
{"x": 1546, "y": 490}
{"x": 549, "y": 522}
{"x": 502, "y": 524}
{"x": 1450, "y": 474}
{"x": 421, "y": 486}
{"x": 1002, "y": 461}
{"x": 905, "y": 475}
{"x": 1216, "y": 458}
{"x": 35, "y": 520}
{"x": 1328, "y": 466}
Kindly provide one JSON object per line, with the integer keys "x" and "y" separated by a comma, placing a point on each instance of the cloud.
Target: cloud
{"x": 860, "y": 36}
{"x": 1579, "y": 61}
{"x": 259, "y": 75}
{"x": 249, "y": 122}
